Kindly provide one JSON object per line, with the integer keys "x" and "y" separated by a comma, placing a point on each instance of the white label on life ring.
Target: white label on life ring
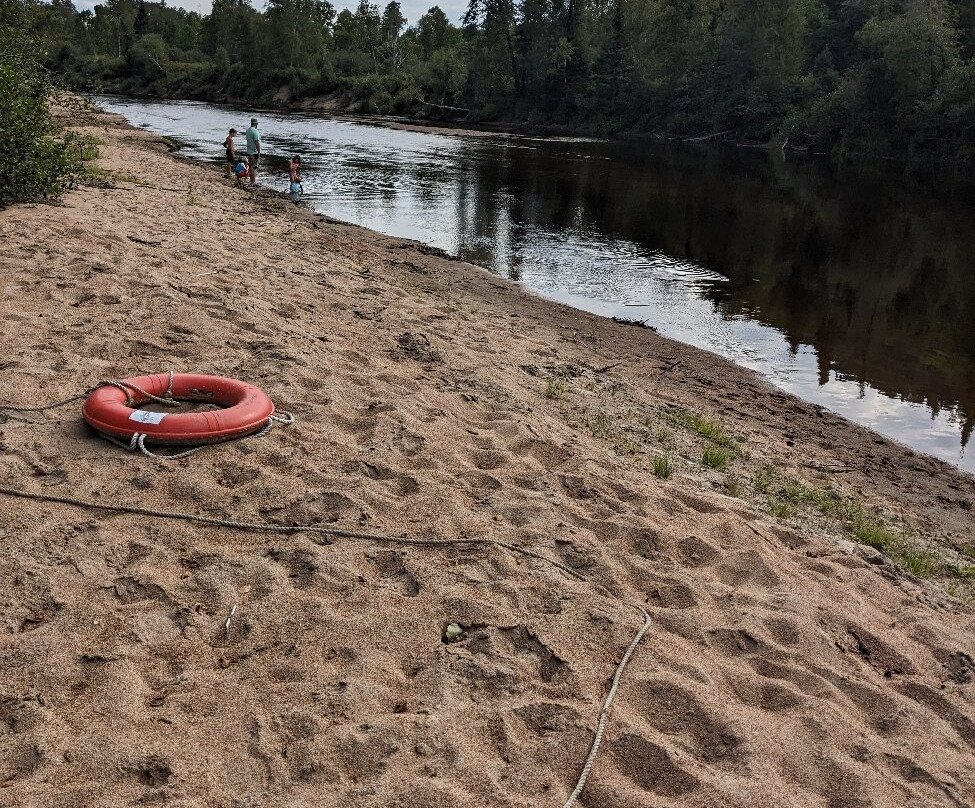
{"x": 144, "y": 417}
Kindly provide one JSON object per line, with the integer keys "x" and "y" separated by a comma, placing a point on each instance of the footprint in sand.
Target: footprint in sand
{"x": 651, "y": 767}
{"x": 545, "y": 718}
{"x": 302, "y": 565}
{"x": 695, "y": 552}
{"x": 488, "y": 461}
{"x": 153, "y": 771}
{"x": 128, "y": 590}
{"x": 675, "y": 711}
{"x": 391, "y": 566}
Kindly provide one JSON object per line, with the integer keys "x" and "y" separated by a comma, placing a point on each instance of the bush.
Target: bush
{"x": 406, "y": 99}
{"x": 35, "y": 158}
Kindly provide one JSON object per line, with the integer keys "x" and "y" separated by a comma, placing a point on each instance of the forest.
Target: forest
{"x": 888, "y": 78}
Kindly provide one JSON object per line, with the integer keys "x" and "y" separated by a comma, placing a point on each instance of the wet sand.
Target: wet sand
{"x": 785, "y": 665}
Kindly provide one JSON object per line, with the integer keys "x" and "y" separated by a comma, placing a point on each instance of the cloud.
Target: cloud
{"x": 413, "y": 9}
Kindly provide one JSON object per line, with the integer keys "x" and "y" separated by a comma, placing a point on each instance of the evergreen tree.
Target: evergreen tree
{"x": 889, "y": 77}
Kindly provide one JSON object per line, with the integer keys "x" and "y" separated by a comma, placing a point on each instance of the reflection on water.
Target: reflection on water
{"x": 852, "y": 289}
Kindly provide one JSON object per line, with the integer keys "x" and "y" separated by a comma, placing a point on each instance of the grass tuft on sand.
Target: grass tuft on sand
{"x": 716, "y": 458}
{"x": 662, "y": 467}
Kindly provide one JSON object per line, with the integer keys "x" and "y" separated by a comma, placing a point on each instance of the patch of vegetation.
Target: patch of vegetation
{"x": 786, "y": 498}
{"x": 625, "y": 447}
{"x": 554, "y": 388}
{"x": 764, "y": 479}
{"x": 88, "y": 147}
{"x": 782, "y": 508}
{"x": 600, "y": 425}
{"x": 868, "y": 530}
{"x": 132, "y": 178}
{"x": 98, "y": 171}
{"x": 107, "y": 176}
{"x": 38, "y": 157}
{"x": 732, "y": 487}
{"x": 712, "y": 432}
{"x": 716, "y": 458}
{"x": 662, "y": 467}
{"x": 919, "y": 561}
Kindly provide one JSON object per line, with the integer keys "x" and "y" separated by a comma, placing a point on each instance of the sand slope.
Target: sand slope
{"x": 780, "y": 669}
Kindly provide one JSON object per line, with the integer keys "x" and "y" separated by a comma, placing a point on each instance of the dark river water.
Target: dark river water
{"x": 851, "y": 287}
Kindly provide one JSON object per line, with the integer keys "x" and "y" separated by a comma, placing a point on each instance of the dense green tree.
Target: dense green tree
{"x": 390, "y": 36}
{"x": 297, "y": 37}
{"x": 432, "y": 31}
{"x": 889, "y": 77}
{"x": 37, "y": 156}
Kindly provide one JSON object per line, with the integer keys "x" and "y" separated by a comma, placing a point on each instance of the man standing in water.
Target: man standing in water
{"x": 253, "y": 136}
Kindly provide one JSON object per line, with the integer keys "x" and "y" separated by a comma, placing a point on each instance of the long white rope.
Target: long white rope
{"x": 266, "y": 527}
{"x": 604, "y": 715}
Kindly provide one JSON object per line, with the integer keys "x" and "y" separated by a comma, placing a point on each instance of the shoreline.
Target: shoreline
{"x": 787, "y": 664}
{"x": 906, "y": 166}
{"x": 894, "y": 405}
{"x": 499, "y": 129}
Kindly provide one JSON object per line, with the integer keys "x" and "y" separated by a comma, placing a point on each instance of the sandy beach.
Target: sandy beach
{"x": 786, "y": 664}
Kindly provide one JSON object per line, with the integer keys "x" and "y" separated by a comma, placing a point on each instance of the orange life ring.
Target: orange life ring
{"x": 244, "y": 409}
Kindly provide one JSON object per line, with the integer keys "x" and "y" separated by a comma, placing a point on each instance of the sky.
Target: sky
{"x": 413, "y": 9}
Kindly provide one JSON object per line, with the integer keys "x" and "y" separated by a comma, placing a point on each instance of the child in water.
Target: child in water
{"x": 294, "y": 167}
{"x": 231, "y": 151}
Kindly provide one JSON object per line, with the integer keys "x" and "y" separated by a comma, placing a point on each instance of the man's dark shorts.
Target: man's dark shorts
{"x": 253, "y": 160}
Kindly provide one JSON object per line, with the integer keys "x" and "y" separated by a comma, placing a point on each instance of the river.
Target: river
{"x": 849, "y": 286}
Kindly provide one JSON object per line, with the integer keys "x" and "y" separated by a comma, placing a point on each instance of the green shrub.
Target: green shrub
{"x": 36, "y": 156}
{"x": 870, "y": 532}
{"x": 712, "y": 431}
{"x": 918, "y": 561}
{"x": 782, "y": 508}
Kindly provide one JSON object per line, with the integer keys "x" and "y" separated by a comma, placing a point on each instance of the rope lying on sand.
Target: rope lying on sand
{"x": 604, "y": 715}
{"x": 377, "y": 537}
{"x": 267, "y": 527}
{"x": 126, "y": 387}
{"x": 138, "y": 440}
{"x": 55, "y": 405}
